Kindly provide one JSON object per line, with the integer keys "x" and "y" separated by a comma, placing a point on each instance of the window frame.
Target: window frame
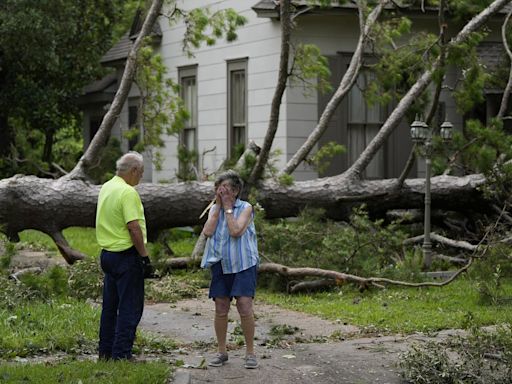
{"x": 233, "y": 66}
{"x": 185, "y": 73}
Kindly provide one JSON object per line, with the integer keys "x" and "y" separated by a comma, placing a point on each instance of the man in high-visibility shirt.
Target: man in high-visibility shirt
{"x": 121, "y": 233}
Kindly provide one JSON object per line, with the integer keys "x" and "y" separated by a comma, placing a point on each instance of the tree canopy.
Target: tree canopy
{"x": 49, "y": 50}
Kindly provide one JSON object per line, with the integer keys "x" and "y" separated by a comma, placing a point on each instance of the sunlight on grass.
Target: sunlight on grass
{"x": 400, "y": 309}
{"x": 79, "y": 238}
{"x": 86, "y": 372}
{"x": 65, "y": 325}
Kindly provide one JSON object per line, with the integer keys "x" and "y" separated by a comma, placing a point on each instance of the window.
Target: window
{"x": 134, "y": 136}
{"x": 188, "y": 137}
{"x": 237, "y": 106}
{"x": 364, "y": 122}
{"x": 94, "y": 126}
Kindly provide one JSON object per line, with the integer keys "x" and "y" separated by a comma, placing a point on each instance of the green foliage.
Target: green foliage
{"x": 47, "y": 57}
{"x": 173, "y": 288}
{"x": 322, "y": 158}
{"x": 86, "y": 372}
{"x": 462, "y": 10}
{"x": 8, "y": 253}
{"x": 362, "y": 247}
{"x": 480, "y": 357}
{"x": 309, "y": 64}
{"x": 399, "y": 66}
{"x": 161, "y": 107}
{"x": 485, "y": 149}
{"x": 105, "y": 169}
{"x": 469, "y": 91}
{"x": 187, "y": 159}
{"x": 286, "y": 179}
{"x": 207, "y": 26}
{"x": 236, "y": 152}
{"x": 489, "y": 274}
{"x": 51, "y": 283}
{"x": 85, "y": 279}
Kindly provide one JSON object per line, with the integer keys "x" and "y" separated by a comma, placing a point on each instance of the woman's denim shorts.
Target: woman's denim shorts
{"x": 231, "y": 285}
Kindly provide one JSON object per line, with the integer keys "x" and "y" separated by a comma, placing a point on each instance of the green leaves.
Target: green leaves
{"x": 161, "y": 108}
{"x": 206, "y": 26}
{"x": 310, "y": 65}
{"x": 49, "y": 51}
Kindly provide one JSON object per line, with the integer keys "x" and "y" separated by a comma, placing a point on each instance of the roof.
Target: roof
{"x": 101, "y": 84}
{"x": 120, "y": 50}
{"x": 491, "y": 54}
{"x": 270, "y": 8}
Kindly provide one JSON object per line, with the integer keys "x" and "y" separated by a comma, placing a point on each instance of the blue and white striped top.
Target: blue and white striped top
{"x": 235, "y": 253}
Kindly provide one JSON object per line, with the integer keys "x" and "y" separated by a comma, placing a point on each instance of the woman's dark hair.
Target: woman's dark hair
{"x": 234, "y": 179}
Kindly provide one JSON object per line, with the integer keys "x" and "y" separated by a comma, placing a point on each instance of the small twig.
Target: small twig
{"x": 16, "y": 275}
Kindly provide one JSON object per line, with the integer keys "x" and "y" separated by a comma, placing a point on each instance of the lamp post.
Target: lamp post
{"x": 422, "y": 135}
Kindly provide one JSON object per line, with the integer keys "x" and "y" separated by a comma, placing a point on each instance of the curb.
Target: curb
{"x": 181, "y": 377}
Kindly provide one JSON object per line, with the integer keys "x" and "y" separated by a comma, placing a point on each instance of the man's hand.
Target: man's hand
{"x": 147, "y": 268}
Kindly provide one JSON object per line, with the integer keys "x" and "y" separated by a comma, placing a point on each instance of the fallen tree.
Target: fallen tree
{"x": 29, "y": 202}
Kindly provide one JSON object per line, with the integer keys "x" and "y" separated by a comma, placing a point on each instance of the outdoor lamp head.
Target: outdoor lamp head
{"x": 446, "y": 131}
{"x": 419, "y": 131}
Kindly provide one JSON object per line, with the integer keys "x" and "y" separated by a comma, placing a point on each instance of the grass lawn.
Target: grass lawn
{"x": 401, "y": 310}
{"x": 81, "y": 239}
{"x": 63, "y": 325}
{"x": 85, "y": 372}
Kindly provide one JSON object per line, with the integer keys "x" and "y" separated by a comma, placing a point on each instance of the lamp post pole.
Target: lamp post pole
{"x": 427, "y": 244}
{"x": 422, "y": 135}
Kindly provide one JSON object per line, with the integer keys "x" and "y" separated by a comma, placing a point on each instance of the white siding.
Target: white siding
{"x": 259, "y": 42}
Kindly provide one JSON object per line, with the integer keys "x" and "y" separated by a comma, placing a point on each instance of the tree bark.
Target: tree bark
{"x": 262, "y": 159}
{"x": 508, "y": 88}
{"x": 341, "y": 278}
{"x": 29, "y": 202}
{"x": 348, "y": 80}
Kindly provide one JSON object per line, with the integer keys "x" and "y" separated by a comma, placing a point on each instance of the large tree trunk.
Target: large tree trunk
{"x": 29, "y": 202}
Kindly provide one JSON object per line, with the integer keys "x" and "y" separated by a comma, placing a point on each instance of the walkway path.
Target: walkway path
{"x": 320, "y": 360}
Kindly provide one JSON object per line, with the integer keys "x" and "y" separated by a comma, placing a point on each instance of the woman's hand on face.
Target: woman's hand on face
{"x": 227, "y": 196}
{"x": 218, "y": 198}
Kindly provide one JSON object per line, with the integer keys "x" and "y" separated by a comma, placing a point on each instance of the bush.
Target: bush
{"x": 362, "y": 246}
{"x": 85, "y": 279}
{"x": 481, "y": 357}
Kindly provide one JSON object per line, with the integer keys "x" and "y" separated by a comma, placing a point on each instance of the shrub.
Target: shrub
{"x": 361, "y": 246}
{"x": 481, "y": 357}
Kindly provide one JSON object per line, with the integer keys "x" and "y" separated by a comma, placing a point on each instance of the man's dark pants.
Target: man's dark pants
{"x": 123, "y": 302}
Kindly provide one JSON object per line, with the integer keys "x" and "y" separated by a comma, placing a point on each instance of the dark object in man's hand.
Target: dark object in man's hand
{"x": 148, "y": 269}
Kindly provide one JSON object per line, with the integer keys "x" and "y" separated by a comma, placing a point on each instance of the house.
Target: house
{"x": 228, "y": 89}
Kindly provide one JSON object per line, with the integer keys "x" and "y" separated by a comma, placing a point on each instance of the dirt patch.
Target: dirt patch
{"x": 196, "y": 316}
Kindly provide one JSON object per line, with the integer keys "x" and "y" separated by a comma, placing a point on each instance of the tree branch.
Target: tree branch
{"x": 340, "y": 278}
{"x": 100, "y": 139}
{"x": 348, "y": 80}
{"x": 262, "y": 159}
{"x": 508, "y": 88}
{"x": 357, "y": 169}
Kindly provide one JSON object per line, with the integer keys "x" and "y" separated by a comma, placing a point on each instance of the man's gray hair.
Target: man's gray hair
{"x": 129, "y": 161}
